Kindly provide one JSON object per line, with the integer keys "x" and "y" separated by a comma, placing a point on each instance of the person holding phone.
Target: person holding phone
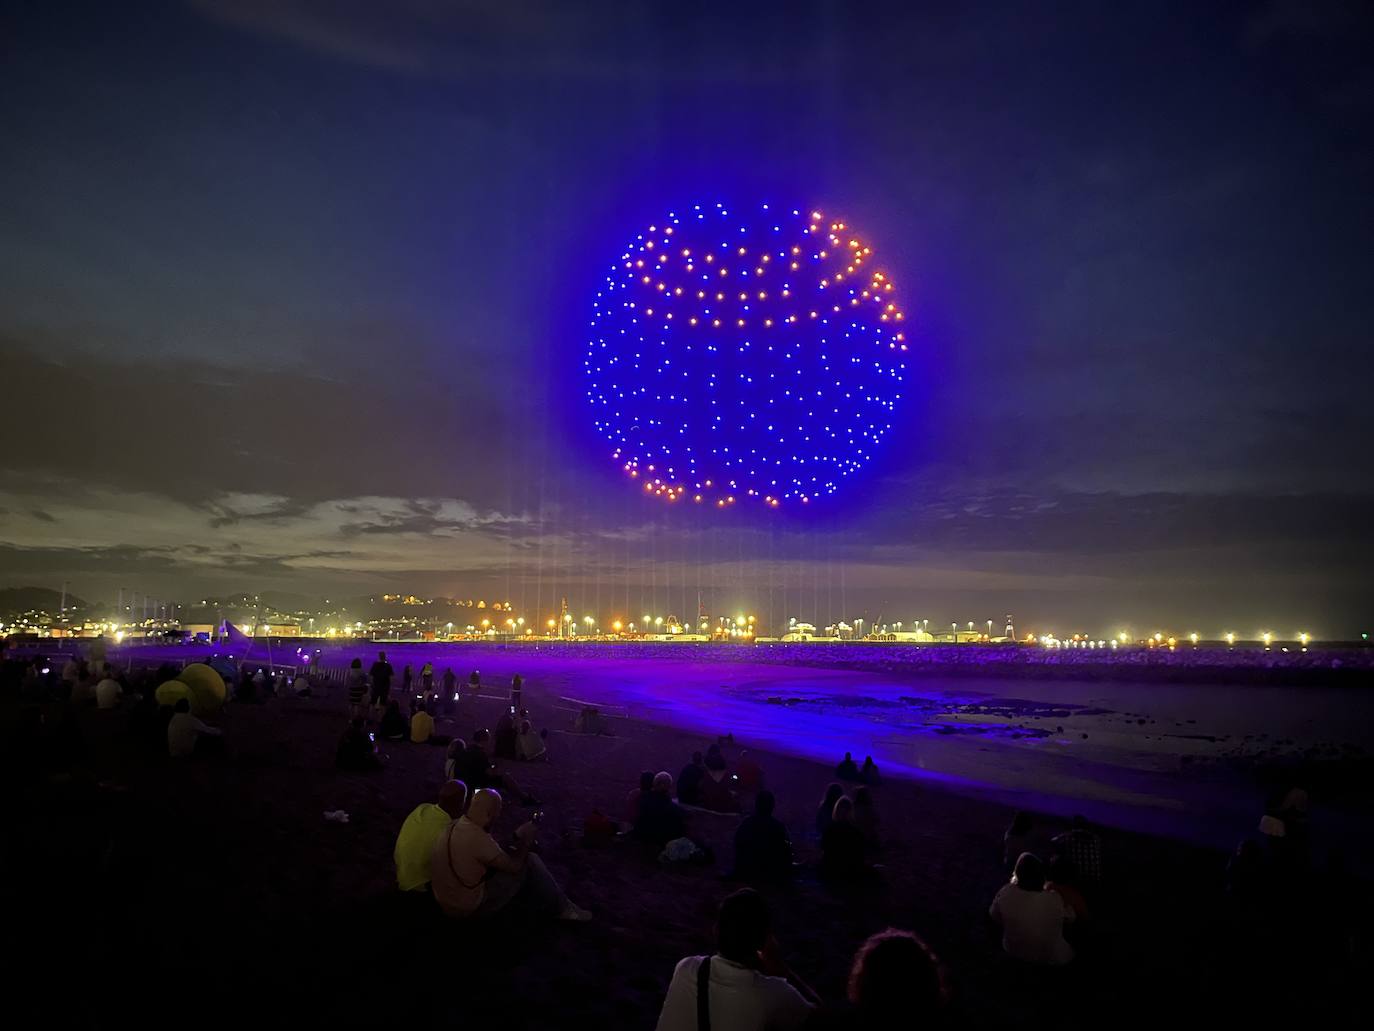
{"x": 472, "y": 875}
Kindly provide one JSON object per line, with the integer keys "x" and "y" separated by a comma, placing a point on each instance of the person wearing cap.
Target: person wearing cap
{"x": 471, "y": 875}
{"x": 422, "y": 828}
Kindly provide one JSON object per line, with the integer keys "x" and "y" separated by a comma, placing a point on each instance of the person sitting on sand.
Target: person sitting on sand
{"x": 749, "y": 772}
{"x": 185, "y": 733}
{"x": 1060, "y": 877}
{"x": 504, "y": 735}
{"x": 636, "y": 796}
{"x": 896, "y": 983}
{"x": 421, "y": 726}
{"x": 472, "y": 875}
{"x": 452, "y": 758}
{"x": 588, "y": 721}
{"x": 1081, "y": 846}
{"x": 357, "y": 752}
{"x": 763, "y": 851}
{"x": 83, "y": 688}
{"x": 1032, "y": 918}
{"x": 1017, "y": 839}
{"x": 689, "y": 781}
{"x": 842, "y": 845}
{"x": 866, "y": 816}
{"x": 393, "y": 725}
{"x": 415, "y": 844}
{"x": 868, "y": 773}
{"x": 659, "y": 819}
{"x": 108, "y": 693}
{"x": 746, "y": 983}
{"x": 847, "y": 769}
{"x": 475, "y": 768}
{"x": 530, "y": 746}
{"x": 716, "y": 794}
{"x": 826, "y": 812}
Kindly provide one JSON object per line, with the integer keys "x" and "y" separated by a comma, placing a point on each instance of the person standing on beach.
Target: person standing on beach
{"x": 357, "y": 687}
{"x": 381, "y": 674}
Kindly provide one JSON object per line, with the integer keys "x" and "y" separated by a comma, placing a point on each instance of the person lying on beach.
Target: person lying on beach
{"x": 1032, "y": 919}
{"x": 660, "y": 820}
{"x": 763, "y": 851}
{"x": 842, "y": 846}
{"x": 415, "y": 844}
{"x": 746, "y": 984}
{"x": 531, "y": 746}
{"x": 847, "y": 769}
{"x": 689, "y": 781}
{"x": 475, "y": 768}
{"x": 472, "y": 875}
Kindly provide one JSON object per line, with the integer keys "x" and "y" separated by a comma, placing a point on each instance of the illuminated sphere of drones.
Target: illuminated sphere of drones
{"x": 745, "y": 355}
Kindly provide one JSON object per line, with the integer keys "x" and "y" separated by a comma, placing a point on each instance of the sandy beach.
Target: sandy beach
{"x": 224, "y": 883}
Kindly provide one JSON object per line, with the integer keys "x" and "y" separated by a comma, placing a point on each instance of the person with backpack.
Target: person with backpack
{"x": 745, "y": 985}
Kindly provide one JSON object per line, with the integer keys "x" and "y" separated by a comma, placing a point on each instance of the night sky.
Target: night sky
{"x": 294, "y": 295}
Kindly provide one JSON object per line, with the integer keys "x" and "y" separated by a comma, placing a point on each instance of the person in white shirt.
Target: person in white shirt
{"x": 108, "y": 693}
{"x": 747, "y": 986}
{"x": 472, "y": 875}
{"x": 184, "y": 731}
{"x": 1032, "y": 918}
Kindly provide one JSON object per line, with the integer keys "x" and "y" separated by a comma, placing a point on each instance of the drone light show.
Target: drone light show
{"x": 745, "y": 355}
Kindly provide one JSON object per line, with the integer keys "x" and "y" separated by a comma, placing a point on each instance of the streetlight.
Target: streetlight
{"x": 1193, "y": 637}
{"x": 954, "y": 633}
{"x": 1230, "y": 639}
{"x": 989, "y": 630}
{"x": 1266, "y": 637}
{"x": 616, "y": 626}
{"x": 1302, "y": 637}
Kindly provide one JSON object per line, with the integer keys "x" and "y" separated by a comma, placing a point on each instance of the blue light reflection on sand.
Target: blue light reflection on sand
{"x": 1018, "y": 741}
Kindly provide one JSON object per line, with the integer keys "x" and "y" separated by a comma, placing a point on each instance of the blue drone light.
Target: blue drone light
{"x": 748, "y": 355}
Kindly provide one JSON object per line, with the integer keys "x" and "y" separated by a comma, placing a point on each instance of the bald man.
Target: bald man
{"x": 423, "y": 827}
{"x": 472, "y": 875}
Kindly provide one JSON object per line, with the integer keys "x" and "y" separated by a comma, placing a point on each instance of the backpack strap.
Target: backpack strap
{"x": 704, "y": 995}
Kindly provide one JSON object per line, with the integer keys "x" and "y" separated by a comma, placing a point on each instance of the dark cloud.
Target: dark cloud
{"x": 296, "y": 291}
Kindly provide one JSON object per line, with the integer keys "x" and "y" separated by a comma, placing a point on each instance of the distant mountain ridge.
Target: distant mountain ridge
{"x": 14, "y": 600}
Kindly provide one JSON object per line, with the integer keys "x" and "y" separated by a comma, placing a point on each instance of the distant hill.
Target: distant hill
{"x": 23, "y": 599}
